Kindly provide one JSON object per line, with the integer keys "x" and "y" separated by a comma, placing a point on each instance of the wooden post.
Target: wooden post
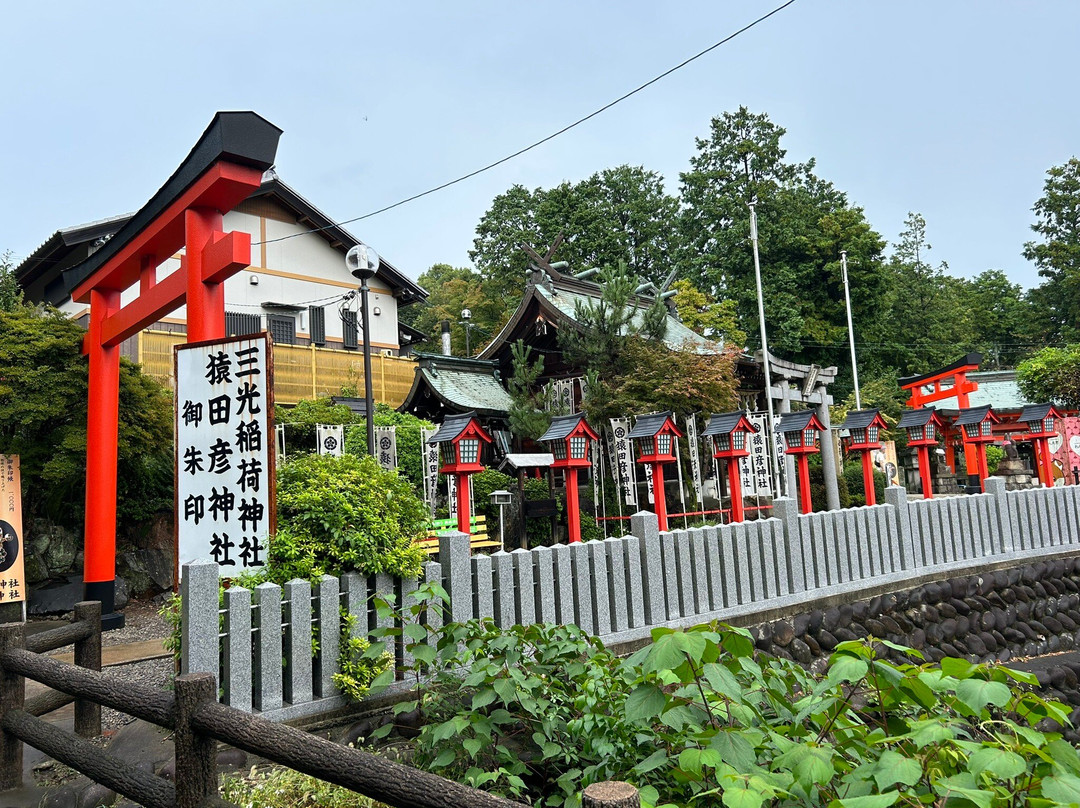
{"x": 12, "y": 695}
{"x": 610, "y": 794}
{"x": 196, "y": 771}
{"x": 88, "y": 655}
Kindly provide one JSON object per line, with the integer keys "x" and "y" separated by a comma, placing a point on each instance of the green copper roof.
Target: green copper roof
{"x": 997, "y": 388}
{"x": 464, "y": 384}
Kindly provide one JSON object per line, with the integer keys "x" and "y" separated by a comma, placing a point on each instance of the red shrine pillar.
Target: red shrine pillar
{"x": 868, "y": 478}
{"x": 464, "y": 516}
{"x": 806, "y": 503}
{"x": 659, "y": 500}
{"x": 735, "y": 486}
{"x": 205, "y": 300}
{"x": 102, "y": 433}
{"x": 924, "y": 472}
{"x": 573, "y": 509}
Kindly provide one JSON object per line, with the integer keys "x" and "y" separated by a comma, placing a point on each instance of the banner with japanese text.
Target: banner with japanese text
{"x": 386, "y": 446}
{"x": 224, "y": 455}
{"x": 430, "y": 468}
{"x": 623, "y": 468}
{"x": 695, "y": 456}
{"x": 12, "y": 574}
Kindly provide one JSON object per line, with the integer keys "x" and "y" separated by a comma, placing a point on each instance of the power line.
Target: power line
{"x": 542, "y": 141}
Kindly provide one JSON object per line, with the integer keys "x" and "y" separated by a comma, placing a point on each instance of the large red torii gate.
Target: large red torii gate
{"x": 223, "y": 169}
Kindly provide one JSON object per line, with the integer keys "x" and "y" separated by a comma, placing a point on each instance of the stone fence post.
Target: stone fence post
{"x": 199, "y": 618}
{"x": 799, "y": 555}
{"x": 995, "y": 486}
{"x": 455, "y": 560}
{"x": 646, "y": 527}
{"x": 896, "y": 496}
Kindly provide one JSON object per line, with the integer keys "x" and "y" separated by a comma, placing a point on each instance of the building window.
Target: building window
{"x": 282, "y": 328}
{"x": 349, "y": 335}
{"x": 317, "y": 327}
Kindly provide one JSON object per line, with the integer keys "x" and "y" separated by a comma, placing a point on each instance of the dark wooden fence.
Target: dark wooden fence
{"x": 197, "y": 720}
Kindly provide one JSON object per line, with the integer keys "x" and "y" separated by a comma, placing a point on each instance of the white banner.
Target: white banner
{"x": 595, "y": 448}
{"x": 648, "y": 482}
{"x": 330, "y": 439}
{"x": 623, "y": 467}
{"x": 386, "y": 446}
{"x": 695, "y": 456}
{"x": 279, "y": 436}
{"x": 224, "y": 477}
{"x": 451, "y": 492}
{"x": 757, "y": 480}
{"x": 430, "y": 468}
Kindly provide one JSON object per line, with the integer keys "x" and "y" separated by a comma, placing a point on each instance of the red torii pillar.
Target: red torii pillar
{"x": 223, "y": 169}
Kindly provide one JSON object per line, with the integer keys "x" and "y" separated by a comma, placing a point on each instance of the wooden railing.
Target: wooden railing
{"x": 197, "y": 721}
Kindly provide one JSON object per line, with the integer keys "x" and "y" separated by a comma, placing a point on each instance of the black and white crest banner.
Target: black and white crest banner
{"x": 386, "y": 446}
{"x": 623, "y": 467}
{"x": 695, "y": 454}
{"x": 330, "y": 439}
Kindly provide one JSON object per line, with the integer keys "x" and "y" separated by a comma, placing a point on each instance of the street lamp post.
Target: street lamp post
{"x": 771, "y": 440}
{"x": 850, "y": 330}
{"x": 363, "y": 263}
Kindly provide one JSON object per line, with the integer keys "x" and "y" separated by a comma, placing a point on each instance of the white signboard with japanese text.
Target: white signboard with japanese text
{"x": 224, "y": 454}
{"x": 695, "y": 455}
{"x": 754, "y": 469}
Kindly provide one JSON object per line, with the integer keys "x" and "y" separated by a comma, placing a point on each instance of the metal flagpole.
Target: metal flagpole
{"x": 682, "y": 488}
{"x": 764, "y": 350}
{"x": 850, "y": 329}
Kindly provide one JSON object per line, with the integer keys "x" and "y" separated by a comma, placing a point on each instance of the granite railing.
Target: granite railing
{"x": 259, "y": 642}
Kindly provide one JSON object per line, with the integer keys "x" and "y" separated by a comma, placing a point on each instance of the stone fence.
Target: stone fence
{"x": 259, "y": 643}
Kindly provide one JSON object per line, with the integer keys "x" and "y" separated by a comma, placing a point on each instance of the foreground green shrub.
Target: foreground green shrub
{"x": 338, "y": 514}
{"x": 853, "y": 479}
{"x": 699, "y": 718}
{"x": 285, "y": 788}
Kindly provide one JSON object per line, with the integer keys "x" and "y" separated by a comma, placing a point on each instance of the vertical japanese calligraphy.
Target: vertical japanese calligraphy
{"x": 12, "y": 577}
{"x": 623, "y": 468}
{"x": 431, "y": 468}
{"x": 224, "y": 455}
{"x": 386, "y": 446}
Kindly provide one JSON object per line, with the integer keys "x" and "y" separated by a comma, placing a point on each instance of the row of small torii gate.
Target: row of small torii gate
{"x": 461, "y": 439}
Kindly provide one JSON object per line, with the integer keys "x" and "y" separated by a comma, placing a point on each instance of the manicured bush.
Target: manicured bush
{"x": 853, "y": 479}
{"x": 817, "y": 488}
{"x": 337, "y": 514}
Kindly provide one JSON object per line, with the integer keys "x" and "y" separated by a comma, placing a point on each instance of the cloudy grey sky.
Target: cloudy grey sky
{"x": 952, "y": 109}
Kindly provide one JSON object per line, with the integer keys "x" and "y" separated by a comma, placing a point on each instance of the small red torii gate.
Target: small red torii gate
{"x": 224, "y": 168}
{"x": 959, "y": 387}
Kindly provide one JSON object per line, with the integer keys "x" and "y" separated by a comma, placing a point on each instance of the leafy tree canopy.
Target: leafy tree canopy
{"x": 452, "y": 289}
{"x": 1052, "y": 374}
{"x": 1057, "y": 255}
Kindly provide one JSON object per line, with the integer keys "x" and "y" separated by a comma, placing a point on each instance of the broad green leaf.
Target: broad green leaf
{"x": 976, "y": 693}
{"x": 959, "y": 668}
{"x": 1063, "y": 788}
{"x": 810, "y": 764}
{"x": 482, "y": 698}
{"x": 472, "y": 746}
{"x": 664, "y": 655}
{"x": 846, "y": 669}
{"x": 690, "y": 761}
{"x": 738, "y": 795}
{"x": 644, "y": 703}
{"x": 964, "y": 785}
{"x": 1064, "y": 755}
{"x": 415, "y": 632}
{"x": 445, "y": 757}
{"x": 892, "y": 767}
{"x": 868, "y": 801}
{"x": 734, "y": 749}
{"x": 723, "y": 681}
{"x": 1021, "y": 676}
{"x": 1001, "y": 763}
{"x": 383, "y": 680}
{"x": 506, "y": 690}
{"x": 424, "y": 653}
{"x": 653, "y": 761}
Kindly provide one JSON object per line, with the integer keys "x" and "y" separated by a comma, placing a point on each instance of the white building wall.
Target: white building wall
{"x": 300, "y": 271}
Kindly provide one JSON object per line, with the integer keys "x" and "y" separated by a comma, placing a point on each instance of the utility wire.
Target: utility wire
{"x": 542, "y": 141}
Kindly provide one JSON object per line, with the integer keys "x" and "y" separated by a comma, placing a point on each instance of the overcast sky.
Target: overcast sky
{"x": 952, "y": 109}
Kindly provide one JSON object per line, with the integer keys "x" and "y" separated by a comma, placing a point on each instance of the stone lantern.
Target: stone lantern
{"x": 461, "y": 440}
{"x": 654, "y": 436}
{"x": 923, "y": 427}
{"x": 864, "y": 436}
{"x": 1041, "y": 420}
{"x": 801, "y": 431}
{"x": 569, "y": 438}
{"x": 728, "y": 433}
{"x": 977, "y": 427}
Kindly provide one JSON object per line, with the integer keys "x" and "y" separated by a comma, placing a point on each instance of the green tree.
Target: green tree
{"x": 1057, "y": 255}
{"x": 528, "y": 416}
{"x": 11, "y": 294}
{"x": 452, "y": 289}
{"x": 618, "y": 214}
{"x": 1000, "y": 318}
{"x": 926, "y": 310}
{"x": 43, "y": 395}
{"x": 712, "y": 319}
{"x": 804, "y": 223}
{"x": 1052, "y": 374}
